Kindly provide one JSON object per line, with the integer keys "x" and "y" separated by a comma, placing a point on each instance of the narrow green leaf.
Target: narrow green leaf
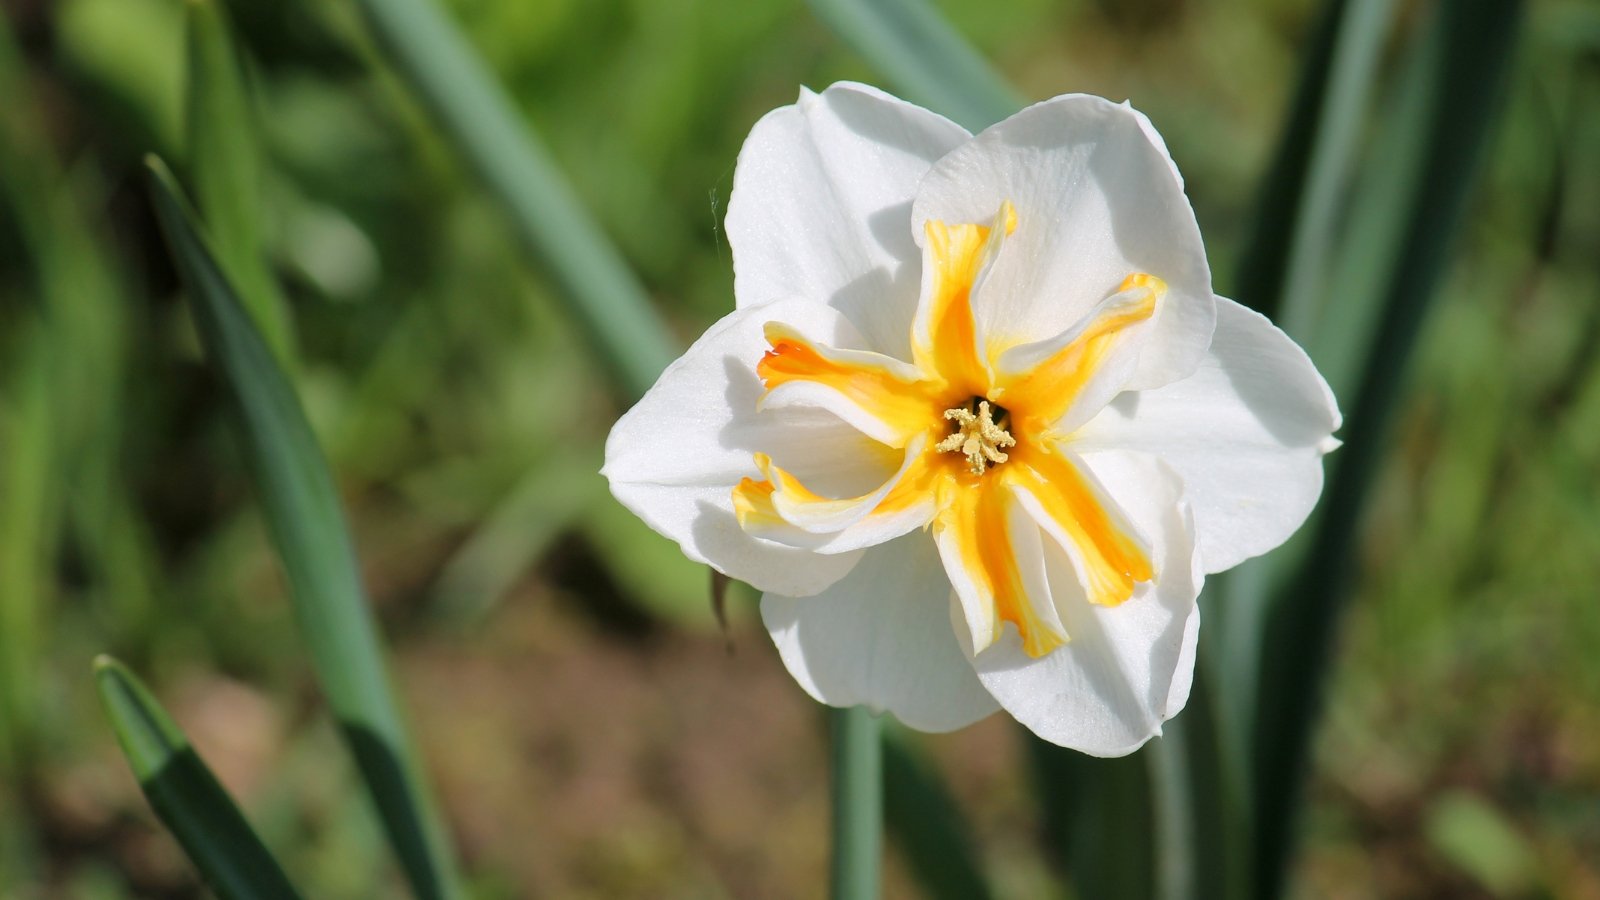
{"x": 1283, "y": 273}
{"x": 307, "y": 525}
{"x": 28, "y": 533}
{"x": 1098, "y": 820}
{"x": 512, "y": 537}
{"x": 857, "y": 803}
{"x": 927, "y": 61}
{"x": 1363, "y": 25}
{"x": 1463, "y": 58}
{"x": 926, "y": 823}
{"x": 473, "y": 110}
{"x": 1263, "y": 270}
{"x": 1201, "y": 816}
{"x": 1375, "y": 236}
{"x": 184, "y": 794}
{"x": 83, "y": 301}
{"x": 225, "y": 164}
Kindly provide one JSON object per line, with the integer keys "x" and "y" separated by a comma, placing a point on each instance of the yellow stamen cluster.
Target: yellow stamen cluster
{"x": 976, "y": 437}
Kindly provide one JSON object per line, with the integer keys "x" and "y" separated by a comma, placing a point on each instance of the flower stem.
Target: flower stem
{"x": 857, "y": 803}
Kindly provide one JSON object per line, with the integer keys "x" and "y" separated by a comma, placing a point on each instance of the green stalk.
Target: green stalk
{"x": 483, "y": 124}
{"x": 857, "y": 803}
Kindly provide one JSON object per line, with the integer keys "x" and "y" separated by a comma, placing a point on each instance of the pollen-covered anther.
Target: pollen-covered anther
{"x": 977, "y": 437}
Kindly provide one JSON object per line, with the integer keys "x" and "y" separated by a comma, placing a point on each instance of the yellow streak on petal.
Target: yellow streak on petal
{"x": 900, "y": 403}
{"x": 944, "y": 338}
{"x": 752, "y": 501}
{"x": 977, "y": 520}
{"x": 1045, "y": 392}
{"x": 1114, "y": 559}
{"x": 780, "y": 499}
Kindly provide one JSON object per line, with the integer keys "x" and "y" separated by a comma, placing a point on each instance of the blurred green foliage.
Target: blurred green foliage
{"x": 464, "y": 419}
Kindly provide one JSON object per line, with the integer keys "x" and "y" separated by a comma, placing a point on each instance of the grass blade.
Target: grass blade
{"x": 927, "y": 61}
{"x": 307, "y": 525}
{"x": 185, "y": 795}
{"x": 927, "y": 825}
{"x": 225, "y": 164}
{"x": 473, "y": 110}
{"x": 857, "y": 803}
{"x": 1464, "y": 60}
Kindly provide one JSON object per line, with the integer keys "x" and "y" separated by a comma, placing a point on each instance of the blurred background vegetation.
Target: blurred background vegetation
{"x": 589, "y": 730}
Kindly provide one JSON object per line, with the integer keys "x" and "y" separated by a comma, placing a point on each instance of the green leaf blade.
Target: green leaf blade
{"x": 306, "y": 522}
{"x": 927, "y": 824}
{"x": 185, "y": 794}
{"x": 226, "y": 163}
{"x": 1099, "y": 820}
{"x": 599, "y": 290}
{"x": 1458, "y": 77}
{"x": 927, "y": 61}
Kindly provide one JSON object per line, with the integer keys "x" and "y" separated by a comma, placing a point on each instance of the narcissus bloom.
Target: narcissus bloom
{"x": 977, "y": 427}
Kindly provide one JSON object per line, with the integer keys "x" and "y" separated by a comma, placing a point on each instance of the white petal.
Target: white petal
{"x": 1246, "y": 433}
{"x": 675, "y": 458}
{"x": 1097, "y": 200}
{"x": 1126, "y": 668}
{"x": 821, "y": 206}
{"x": 881, "y": 637}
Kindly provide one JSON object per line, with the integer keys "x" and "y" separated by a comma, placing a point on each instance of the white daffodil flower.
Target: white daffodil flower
{"x": 978, "y": 427}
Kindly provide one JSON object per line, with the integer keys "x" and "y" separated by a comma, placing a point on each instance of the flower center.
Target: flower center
{"x": 978, "y": 434}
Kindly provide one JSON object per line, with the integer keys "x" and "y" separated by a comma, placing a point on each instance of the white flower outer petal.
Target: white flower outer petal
{"x": 1096, "y": 201}
{"x": 881, "y": 637}
{"x": 1246, "y": 433}
{"x": 821, "y": 206}
{"x": 1128, "y": 668}
{"x": 675, "y": 458}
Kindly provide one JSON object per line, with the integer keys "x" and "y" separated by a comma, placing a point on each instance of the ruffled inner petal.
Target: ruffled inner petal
{"x": 1060, "y": 383}
{"x": 1096, "y": 199}
{"x": 1065, "y": 500}
{"x": 994, "y": 556}
{"x": 885, "y": 398}
{"x": 945, "y": 338}
{"x": 1128, "y": 668}
{"x": 780, "y": 507}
